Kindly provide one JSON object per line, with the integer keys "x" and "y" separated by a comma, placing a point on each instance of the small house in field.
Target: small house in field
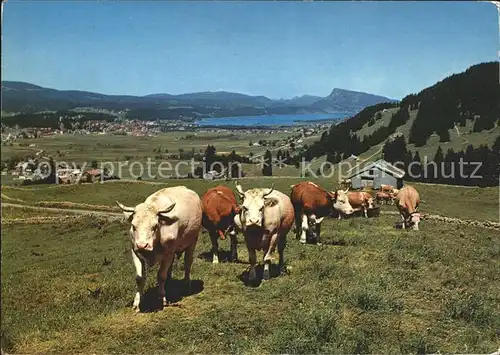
{"x": 373, "y": 175}
{"x": 93, "y": 175}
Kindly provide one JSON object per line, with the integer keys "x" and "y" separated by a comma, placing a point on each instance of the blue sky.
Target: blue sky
{"x": 276, "y": 49}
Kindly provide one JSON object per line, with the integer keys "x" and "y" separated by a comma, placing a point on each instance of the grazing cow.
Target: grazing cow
{"x": 311, "y": 204}
{"x": 219, "y": 208}
{"x": 342, "y": 206}
{"x": 265, "y": 218}
{"x": 166, "y": 223}
{"x": 386, "y": 188}
{"x": 361, "y": 200}
{"x": 407, "y": 202}
{"x": 385, "y": 197}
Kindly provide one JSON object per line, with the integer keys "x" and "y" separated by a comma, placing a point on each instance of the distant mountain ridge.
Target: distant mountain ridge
{"x": 26, "y": 97}
{"x": 349, "y": 100}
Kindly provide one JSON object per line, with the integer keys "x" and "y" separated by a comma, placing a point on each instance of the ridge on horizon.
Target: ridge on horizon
{"x": 28, "y": 85}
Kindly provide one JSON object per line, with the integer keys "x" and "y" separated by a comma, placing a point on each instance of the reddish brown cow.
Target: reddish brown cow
{"x": 219, "y": 208}
{"x": 384, "y": 197}
{"x": 386, "y": 188}
{"x": 311, "y": 204}
{"x": 407, "y": 202}
{"x": 361, "y": 200}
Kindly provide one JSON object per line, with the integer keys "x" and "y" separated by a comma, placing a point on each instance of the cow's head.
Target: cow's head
{"x": 252, "y": 207}
{"x": 414, "y": 219}
{"x": 369, "y": 201}
{"x": 341, "y": 202}
{"x": 145, "y": 221}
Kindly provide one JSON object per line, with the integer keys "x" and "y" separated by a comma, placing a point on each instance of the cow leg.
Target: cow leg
{"x": 403, "y": 221}
{"x": 165, "y": 264}
{"x": 365, "y": 211}
{"x": 188, "y": 262}
{"x": 140, "y": 279}
{"x": 214, "y": 237}
{"x": 252, "y": 258}
{"x": 234, "y": 245}
{"x": 304, "y": 229}
{"x": 298, "y": 223}
{"x": 268, "y": 256}
{"x": 318, "y": 230}
{"x": 281, "y": 251}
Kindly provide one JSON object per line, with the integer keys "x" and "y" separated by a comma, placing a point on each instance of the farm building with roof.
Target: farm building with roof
{"x": 376, "y": 174}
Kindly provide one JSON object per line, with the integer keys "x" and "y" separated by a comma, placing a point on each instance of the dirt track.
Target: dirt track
{"x": 119, "y": 216}
{"x": 468, "y": 222}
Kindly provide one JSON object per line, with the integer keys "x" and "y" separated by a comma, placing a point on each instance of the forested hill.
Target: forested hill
{"x": 473, "y": 94}
{"x": 459, "y": 113}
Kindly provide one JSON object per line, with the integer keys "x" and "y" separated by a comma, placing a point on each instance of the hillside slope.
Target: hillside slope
{"x": 458, "y": 114}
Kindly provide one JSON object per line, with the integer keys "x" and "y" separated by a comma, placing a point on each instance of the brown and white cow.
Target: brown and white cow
{"x": 407, "y": 202}
{"x": 384, "y": 197}
{"x": 311, "y": 205}
{"x": 265, "y": 218}
{"x": 386, "y": 188}
{"x": 219, "y": 208}
{"x": 361, "y": 200}
{"x": 166, "y": 223}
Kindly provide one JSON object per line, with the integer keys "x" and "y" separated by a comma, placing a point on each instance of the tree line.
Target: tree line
{"x": 472, "y": 95}
{"x": 473, "y": 167}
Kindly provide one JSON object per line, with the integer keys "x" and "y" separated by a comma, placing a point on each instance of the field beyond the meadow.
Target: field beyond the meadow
{"x": 68, "y": 285}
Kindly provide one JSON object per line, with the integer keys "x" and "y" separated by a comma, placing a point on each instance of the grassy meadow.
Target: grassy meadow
{"x": 130, "y": 157}
{"x": 67, "y": 287}
{"x": 451, "y": 201}
{"x": 115, "y": 147}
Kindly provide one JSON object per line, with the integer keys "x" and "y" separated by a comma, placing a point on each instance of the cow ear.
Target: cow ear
{"x": 270, "y": 201}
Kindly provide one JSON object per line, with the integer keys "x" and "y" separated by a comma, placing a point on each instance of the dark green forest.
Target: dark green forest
{"x": 472, "y": 167}
{"x": 473, "y": 94}
{"x": 52, "y": 120}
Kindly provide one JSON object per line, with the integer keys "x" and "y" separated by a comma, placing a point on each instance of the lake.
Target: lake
{"x": 271, "y": 120}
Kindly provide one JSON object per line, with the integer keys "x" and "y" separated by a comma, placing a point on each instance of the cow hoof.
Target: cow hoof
{"x": 266, "y": 275}
{"x": 136, "y": 309}
{"x": 319, "y": 244}
{"x": 215, "y": 259}
{"x": 164, "y": 302}
{"x": 303, "y": 241}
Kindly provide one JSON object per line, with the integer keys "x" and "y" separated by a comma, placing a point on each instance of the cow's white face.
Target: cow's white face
{"x": 341, "y": 202}
{"x": 370, "y": 203}
{"x": 252, "y": 208}
{"x": 145, "y": 224}
{"x": 414, "y": 220}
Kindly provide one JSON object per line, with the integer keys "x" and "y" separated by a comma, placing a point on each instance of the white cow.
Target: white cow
{"x": 166, "y": 223}
{"x": 265, "y": 218}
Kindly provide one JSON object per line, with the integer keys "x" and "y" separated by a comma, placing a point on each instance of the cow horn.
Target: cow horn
{"x": 346, "y": 190}
{"x": 168, "y": 209}
{"x": 268, "y": 191}
{"x": 125, "y": 208}
{"x": 239, "y": 189}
